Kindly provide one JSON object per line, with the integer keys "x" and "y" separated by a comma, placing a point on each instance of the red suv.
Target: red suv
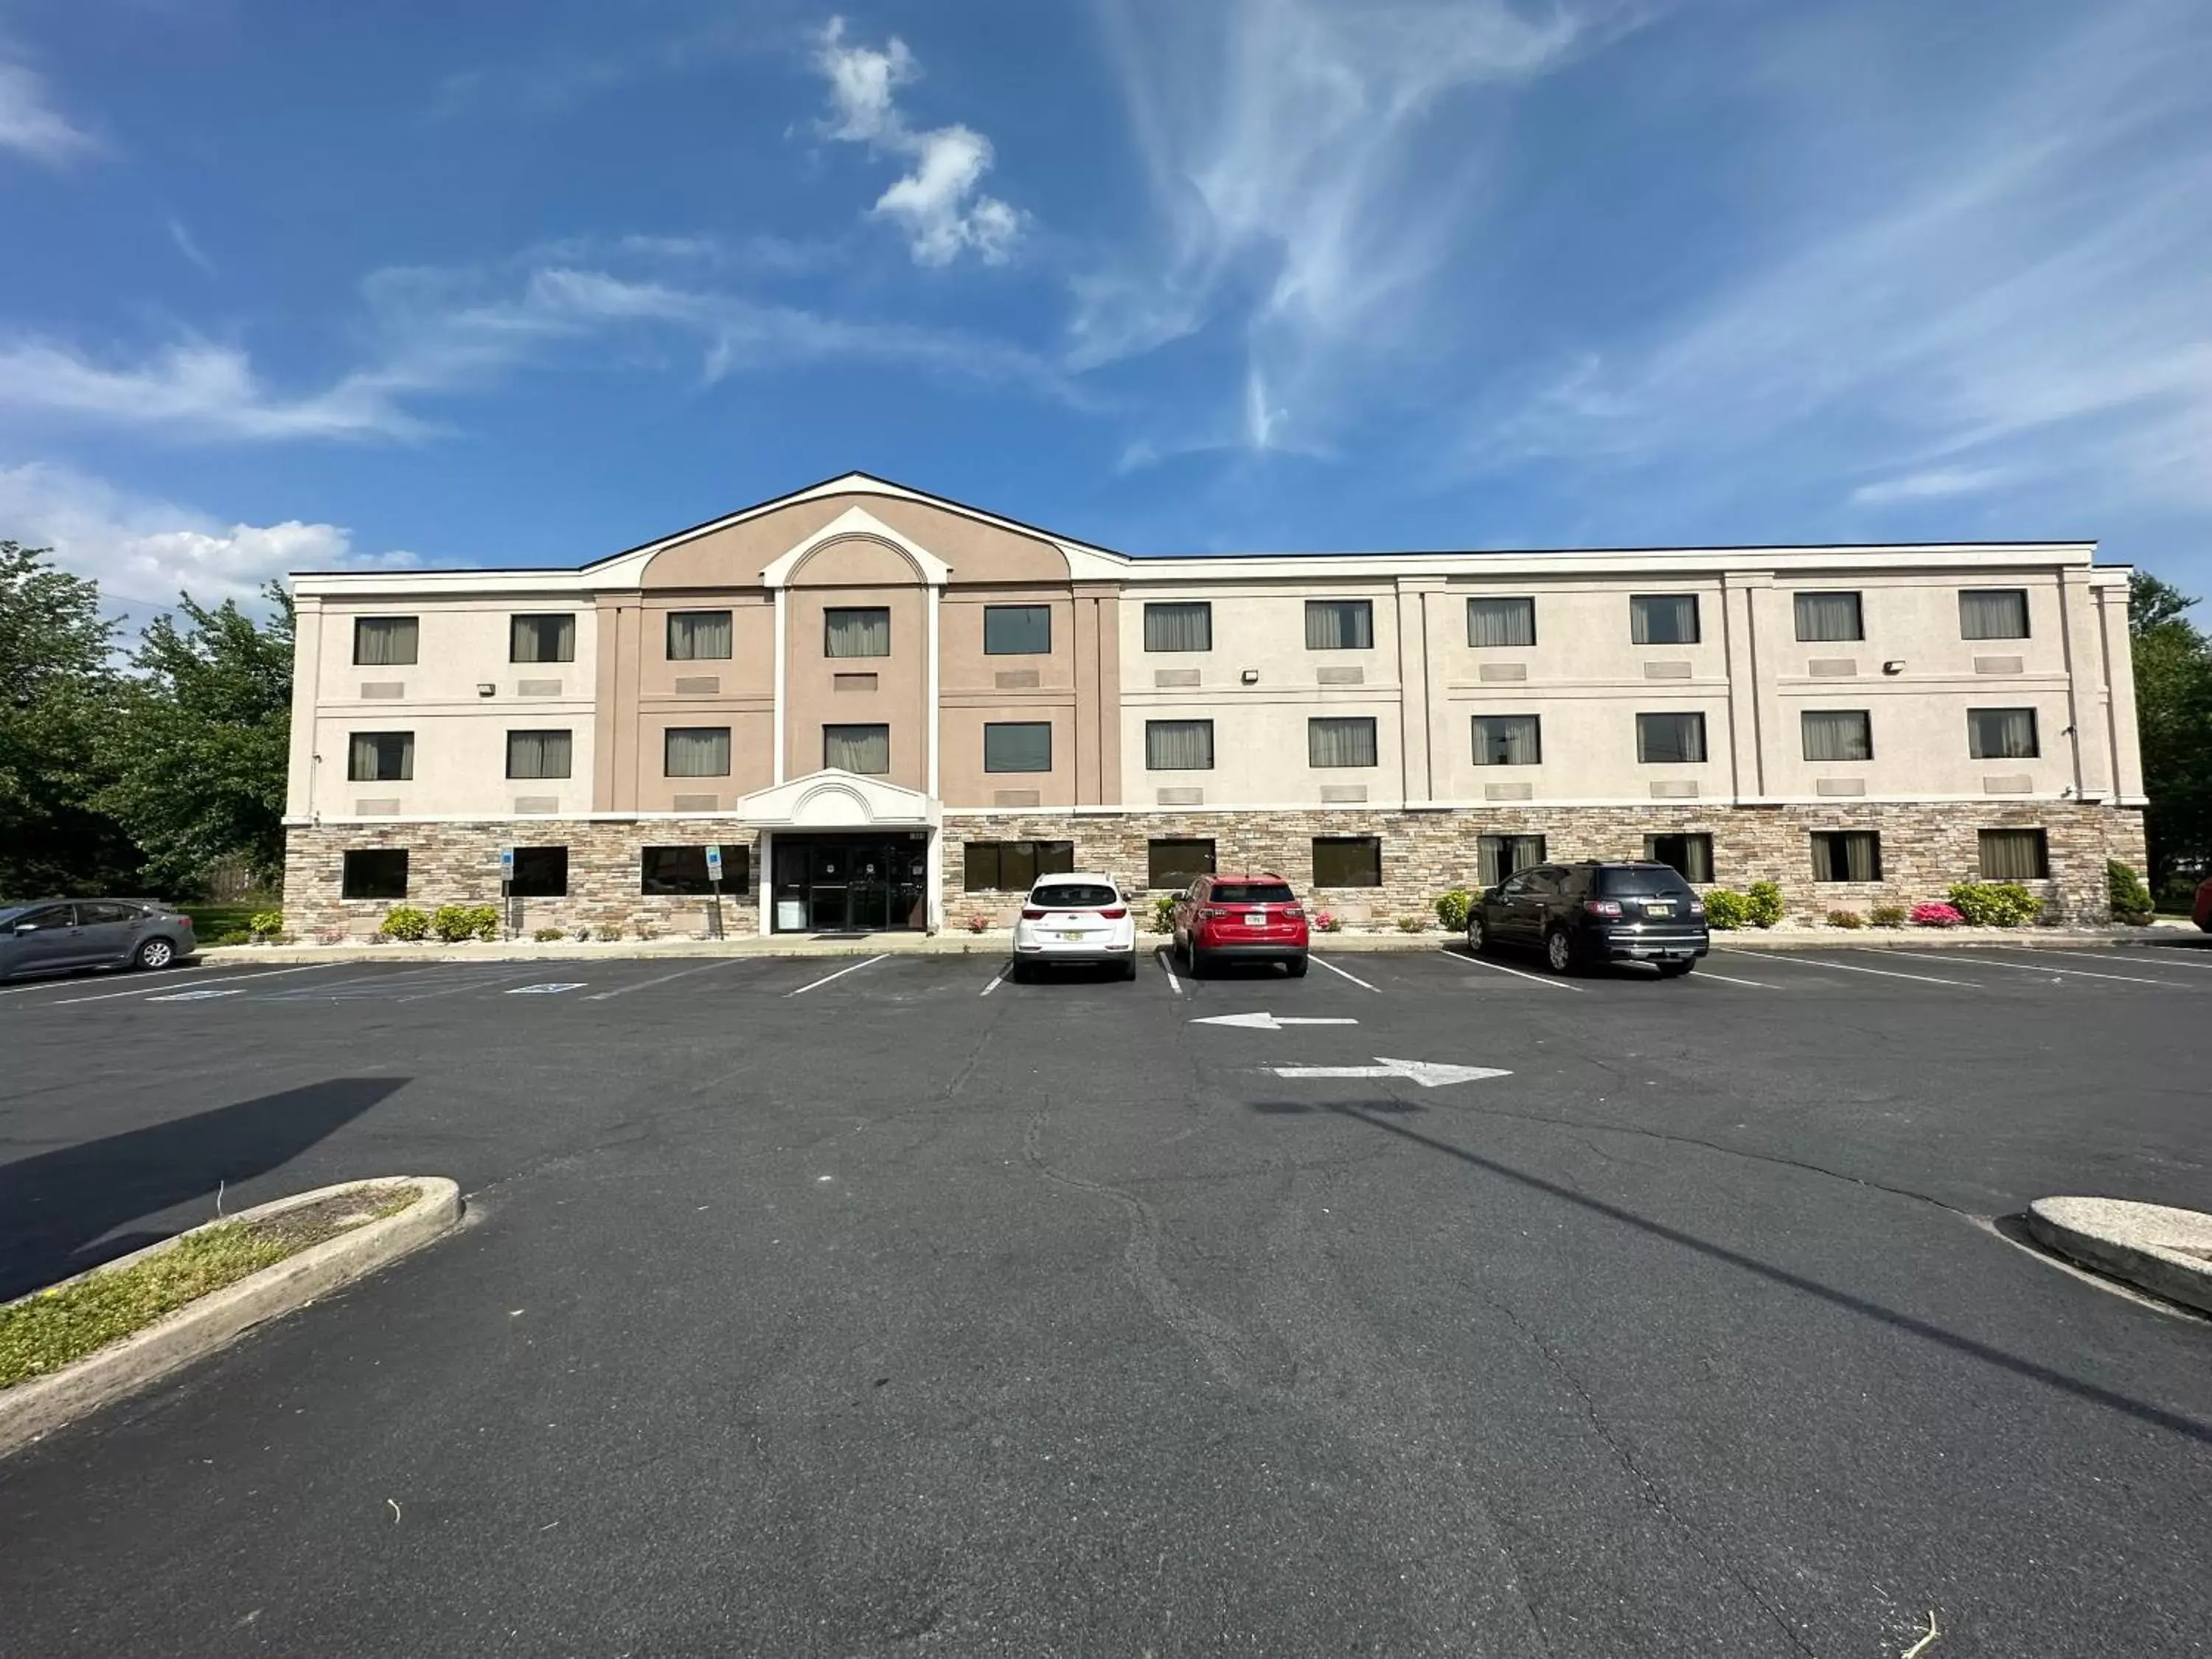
{"x": 1240, "y": 919}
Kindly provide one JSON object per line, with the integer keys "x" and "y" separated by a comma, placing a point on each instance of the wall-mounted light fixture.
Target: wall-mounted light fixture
{"x": 485, "y": 688}
{"x": 1893, "y": 668}
{"x": 1251, "y": 676}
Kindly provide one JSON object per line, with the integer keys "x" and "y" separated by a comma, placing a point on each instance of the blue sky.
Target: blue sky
{"x": 502, "y": 284}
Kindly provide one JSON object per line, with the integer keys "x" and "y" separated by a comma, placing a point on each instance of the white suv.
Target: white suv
{"x": 1075, "y": 918}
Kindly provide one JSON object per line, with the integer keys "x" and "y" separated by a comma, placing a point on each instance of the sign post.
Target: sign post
{"x": 507, "y": 890}
{"x": 714, "y": 886}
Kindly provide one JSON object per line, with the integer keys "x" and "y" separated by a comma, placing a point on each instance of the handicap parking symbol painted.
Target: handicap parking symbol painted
{"x": 552, "y": 989}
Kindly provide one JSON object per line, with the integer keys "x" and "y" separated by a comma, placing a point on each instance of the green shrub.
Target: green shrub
{"x": 265, "y": 924}
{"x": 1451, "y": 909}
{"x": 1763, "y": 905}
{"x": 548, "y": 935}
{"x": 1726, "y": 910}
{"x": 484, "y": 921}
{"x": 1163, "y": 913}
{"x": 2131, "y": 900}
{"x": 1845, "y": 919}
{"x": 1994, "y": 903}
{"x": 232, "y": 936}
{"x": 404, "y": 921}
{"x": 1412, "y": 924}
{"x": 1888, "y": 915}
{"x": 454, "y": 922}
{"x": 606, "y": 935}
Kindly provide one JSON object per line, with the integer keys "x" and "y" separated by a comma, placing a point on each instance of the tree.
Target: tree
{"x": 56, "y": 679}
{"x": 2174, "y": 712}
{"x": 199, "y": 739}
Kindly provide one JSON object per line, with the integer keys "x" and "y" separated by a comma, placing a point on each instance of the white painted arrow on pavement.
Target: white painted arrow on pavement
{"x": 1428, "y": 1074}
{"x": 1267, "y": 1022}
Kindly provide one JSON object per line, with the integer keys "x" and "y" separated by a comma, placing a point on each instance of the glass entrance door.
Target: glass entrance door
{"x": 836, "y": 884}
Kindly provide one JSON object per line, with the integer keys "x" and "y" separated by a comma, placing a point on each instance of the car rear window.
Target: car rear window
{"x": 1075, "y": 895}
{"x": 1252, "y": 892}
{"x": 1641, "y": 883}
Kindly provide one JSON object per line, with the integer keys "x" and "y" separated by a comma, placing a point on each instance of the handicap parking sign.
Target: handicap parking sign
{"x": 714, "y": 864}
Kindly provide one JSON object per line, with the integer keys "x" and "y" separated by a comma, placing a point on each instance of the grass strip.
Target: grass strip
{"x": 51, "y": 1328}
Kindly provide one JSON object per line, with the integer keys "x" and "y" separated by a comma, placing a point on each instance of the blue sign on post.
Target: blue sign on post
{"x": 714, "y": 863}
{"x": 506, "y": 864}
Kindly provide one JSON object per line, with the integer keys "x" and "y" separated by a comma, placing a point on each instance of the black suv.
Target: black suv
{"x": 1581, "y": 913}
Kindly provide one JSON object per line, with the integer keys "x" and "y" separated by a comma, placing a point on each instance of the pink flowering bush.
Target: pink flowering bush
{"x": 1324, "y": 922}
{"x": 1936, "y": 915}
{"x": 977, "y": 923}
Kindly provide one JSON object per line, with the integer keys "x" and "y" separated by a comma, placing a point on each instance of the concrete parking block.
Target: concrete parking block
{"x": 2154, "y": 1247}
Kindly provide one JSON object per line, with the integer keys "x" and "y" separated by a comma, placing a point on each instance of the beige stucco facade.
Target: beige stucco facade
{"x": 1069, "y": 700}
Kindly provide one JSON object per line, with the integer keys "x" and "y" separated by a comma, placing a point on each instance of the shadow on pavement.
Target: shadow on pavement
{"x": 55, "y": 1206}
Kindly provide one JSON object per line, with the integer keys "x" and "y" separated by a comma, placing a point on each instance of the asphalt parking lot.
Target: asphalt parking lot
{"x": 887, "y": 1306}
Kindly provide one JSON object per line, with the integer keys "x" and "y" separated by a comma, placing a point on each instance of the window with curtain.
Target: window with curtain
{"x": 1184, "y": 626}
{"x": 1501, "y": 622}
{"x": 374, "y": 873}
{"x": 696, "y": 752}
{"x": 1846, "y": 855}
{"x": 1670, "y": 739}
{"x": 1829, "y": 616}
{"x": 540, "y": 873}
{"x": 1176, "y": 864}
{"x": 698, "y": 636}
{"x": 865, "y": 748}
{"x": 2001, "y": 734}
{"x": 1993, "y": 613}
{"x": 2015, "y": 855}
{"x": 1178, "y": 745}
{"x": 1663, "y": 619}
{"x": 380, "y": 757}
{"x": 1017, "y": 630}
{"x": 1341, "y": 740}
{"x": 1837, "y": 734}
{"x": 1689, "y": 856}
{"x": 1018, "y": 746}
{"x": 856, "y": 630}
{"x": 1500, "y": 856}
{"x": 538, "y": 754}
{"x": 1347, "y": 861}
{"x": 542, "y": 639}
{"x": 1013, "y": 866}
{"x": 1508, "y": 740}
{"x": 385, "y": 642}
{"x": 681, "y": 871}
{"x": 1340, "y": 624}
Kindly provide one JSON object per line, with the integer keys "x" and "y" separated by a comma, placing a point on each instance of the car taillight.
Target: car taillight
{"x": 1209, "y": 913}
{"x": 185, "y": 921}
{"x": 1601, "y": 907}
{"x": 1697, "y": 910}
{"x": 1292, "y": 913}
{"x": 1031, "y": 915}
{"x": 1115, "y": 912}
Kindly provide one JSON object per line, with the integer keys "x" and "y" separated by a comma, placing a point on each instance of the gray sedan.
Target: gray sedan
{"x": 60, "y": 936}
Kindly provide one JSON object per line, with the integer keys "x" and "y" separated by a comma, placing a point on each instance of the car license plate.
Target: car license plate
{"x": 1070, "y": 933}
{"x": 1658, "y": 910}
{"x": 1255, "y": 918}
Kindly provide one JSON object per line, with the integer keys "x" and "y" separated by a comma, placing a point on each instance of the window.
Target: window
{"x": 1508, "y": 740}
{"x": 1829, "y": 616}
{"x": 1501, "y": 622}
{"x": 1178, "y": 746}
{"x": 1017, "y": 630}
{"x": 2001, "y": 734}
{"x": 1690, "y": 857}
{"x": 1663, "y": 619}
{"x": 1182, "y": 627}
{"x": 541, "y": 639}
{"x": 698, "y": 635}
{"x": 1500, "y": 856}
{"x": 683, "y": 869}
{"x": 1837, "y": 734}
{"x": 380, "y": 757}
{"x": 1341, "y": 740}
{"x": 1846, "y": 855}
{"x": 1637, "y": 883}
{"x": 540, "y": 873}
{"x": 385, "y": 642}
{"x": 1013, "y": 866}
{"x": 1993, "y": 613}
{"x": 538, "y": 754}
{"x": 695, "y": 751}
{"x": 1251, "y": 892}
{"x": 2015, "y": 855}
{"x": 92, "y": 915}
{"x": 1670, "y": 739}
{"x": 1177, "y": 863}
{"x": 863, "y": 630}
{"x": 1018, "y": 746}
{"x": 1075, "y": 896}
{"x": 1347, "y": 861}
{"x": 1340, "y": 624}
{"x": 374, "y": 873}
{"x": 865, "y": 749}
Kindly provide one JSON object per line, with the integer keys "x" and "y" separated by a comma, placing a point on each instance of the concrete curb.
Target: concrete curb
{"x": 2166, "y": 1251}
{"x": 32, "y": 1409}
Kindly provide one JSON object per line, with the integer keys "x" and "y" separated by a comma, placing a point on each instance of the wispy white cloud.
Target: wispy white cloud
{"x": 939, "y": 202}
{"x": 1935, "y": 484}
{"x": 187, "y": 246}
{"x": 31, "y": 125}
{"x": 194, "y": 389}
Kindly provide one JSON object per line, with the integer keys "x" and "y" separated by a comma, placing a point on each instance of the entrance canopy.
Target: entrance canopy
{"x": 832, "y": 800}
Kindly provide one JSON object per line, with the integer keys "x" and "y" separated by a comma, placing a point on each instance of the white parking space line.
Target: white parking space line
{"x": 550, "y": 987}
{"x": 157, "y": 990}
{"x": 1318, "y": 962}
{"x": 681, "y": 973}
{"x": 331, "y": 988}
{"x": 997, "y": 979}
{"x": 1167, "y": 966}
{"x": 1466, "y": 961}
{"x": 480, "y": 983}
{"x": 198, "y": 996}
{"x": 1980, "y": 960}
{"x": 1848, "y": 967}
{"x": 2143, "y": 957}
{"x": 840, "y": 973}
{"x": 1755, "y": 984}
